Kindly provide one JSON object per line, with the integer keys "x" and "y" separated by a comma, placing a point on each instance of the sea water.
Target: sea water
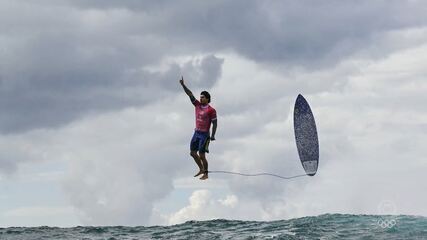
{"x": 328, "y": 226}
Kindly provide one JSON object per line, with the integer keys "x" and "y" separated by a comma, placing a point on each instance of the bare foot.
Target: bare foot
{"x": 200, "y": 172}
{"x": 204, "y": 177}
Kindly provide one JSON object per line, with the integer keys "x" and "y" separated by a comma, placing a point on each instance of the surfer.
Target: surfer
{"x": 205, "y": 115}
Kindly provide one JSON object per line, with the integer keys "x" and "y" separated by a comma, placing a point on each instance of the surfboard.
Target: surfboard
{"x": 306, "y": 136}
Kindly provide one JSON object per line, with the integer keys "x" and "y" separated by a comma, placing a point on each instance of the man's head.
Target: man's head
{"x": 205, "y": 97}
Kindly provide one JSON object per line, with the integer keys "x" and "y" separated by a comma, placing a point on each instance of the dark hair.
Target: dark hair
{"x": 207, "y": 95}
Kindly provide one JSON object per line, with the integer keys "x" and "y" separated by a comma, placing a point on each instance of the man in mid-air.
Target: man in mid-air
{"x": 205, "y": 115}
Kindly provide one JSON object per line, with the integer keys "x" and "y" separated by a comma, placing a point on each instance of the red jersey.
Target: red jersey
{"x": 205, "y": 114}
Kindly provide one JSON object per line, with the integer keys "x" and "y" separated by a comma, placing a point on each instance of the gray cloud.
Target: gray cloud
{"x": 294, "y": 32}
{"x": 53, "y": 80}
{"x": 54, "y": 70}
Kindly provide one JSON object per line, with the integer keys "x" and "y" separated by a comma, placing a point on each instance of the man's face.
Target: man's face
{"x": 203, "y": 99}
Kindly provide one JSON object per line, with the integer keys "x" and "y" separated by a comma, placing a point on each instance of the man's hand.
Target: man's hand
{"x": 181, "y": 80}
{"x": 213, "y": 138}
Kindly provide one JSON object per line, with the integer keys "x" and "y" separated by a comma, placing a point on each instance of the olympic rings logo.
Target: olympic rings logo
{"x": 387, "y": 207}
{"x": 384, "y": 223}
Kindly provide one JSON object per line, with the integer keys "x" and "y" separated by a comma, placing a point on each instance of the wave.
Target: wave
{"x": 327, "y": 226}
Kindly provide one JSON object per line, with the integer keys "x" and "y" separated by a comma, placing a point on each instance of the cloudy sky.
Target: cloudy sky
{"x": 95, "y": 128}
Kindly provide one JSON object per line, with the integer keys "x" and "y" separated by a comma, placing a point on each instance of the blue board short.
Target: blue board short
{"x": 200, "y": 142}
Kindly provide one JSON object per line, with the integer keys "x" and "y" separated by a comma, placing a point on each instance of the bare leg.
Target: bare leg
{"x": 198, "y": 162}
{"x": 205, "y": 165}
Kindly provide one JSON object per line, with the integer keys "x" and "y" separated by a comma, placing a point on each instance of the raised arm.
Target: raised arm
{"x": 187, "y": 91}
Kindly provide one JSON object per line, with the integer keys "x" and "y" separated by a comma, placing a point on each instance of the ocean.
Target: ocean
{"x": 328, "y": 226}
